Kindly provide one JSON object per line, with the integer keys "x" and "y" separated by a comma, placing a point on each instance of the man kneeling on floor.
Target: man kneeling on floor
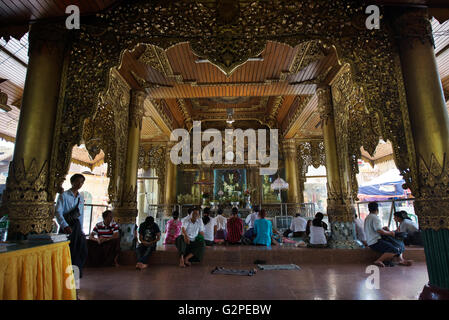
{"x": 382, "y": 240}
{"x": 149, "y": 235}
{"x": 104, "y": 243}
{"x": 191, "y": 241}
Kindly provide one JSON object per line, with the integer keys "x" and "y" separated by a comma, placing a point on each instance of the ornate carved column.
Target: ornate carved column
{"x": 170, "y": 182}
{"x": 291, "y": 171}
{"x": 28, "y": 198}
{"x": 339, "y": 209}
{"x": 430, "y": 128}
{"x": 254, "y": 180}
{"x": 125, "y": 211}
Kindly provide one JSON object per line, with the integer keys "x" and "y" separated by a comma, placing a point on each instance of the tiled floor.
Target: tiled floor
{"x": 313, "y": 281}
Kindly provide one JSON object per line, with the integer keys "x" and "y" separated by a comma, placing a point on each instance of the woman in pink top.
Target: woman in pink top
{"x": 173, "y": 229}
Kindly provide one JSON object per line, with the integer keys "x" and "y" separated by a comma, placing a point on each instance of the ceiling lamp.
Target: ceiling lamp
{"x": 3, "y": 102}
{"x": 230, "y": 113}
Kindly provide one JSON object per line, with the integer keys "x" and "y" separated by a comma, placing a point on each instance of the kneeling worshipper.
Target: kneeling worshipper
{"x": 221, "y": 222}
{"x": 210, "y": 227}
{"x": 263, "y": 229}
{"x": 298, "y": 227}
{"x": 149, "y": 235}
{"x": 190, "y": 243}
{"x": 173, "y": 229}
{"x": 103, "y": 245}
{"x": 317, "y": 234}
{"x": 234, "y": 227}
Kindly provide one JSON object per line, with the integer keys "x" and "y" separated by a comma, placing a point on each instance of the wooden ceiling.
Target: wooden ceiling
{"x": 252, "y": 91}
{"x": 187, "y": 76}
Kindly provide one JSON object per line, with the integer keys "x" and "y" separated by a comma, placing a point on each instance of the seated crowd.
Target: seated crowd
{"x": 193, "y": 233}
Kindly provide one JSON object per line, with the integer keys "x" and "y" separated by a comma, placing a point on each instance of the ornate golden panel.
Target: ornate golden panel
{"x": 228, "y": 42}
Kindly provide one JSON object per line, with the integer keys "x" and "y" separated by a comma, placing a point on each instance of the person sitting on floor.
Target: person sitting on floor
{"x": 234, "y": 227}
{"x": 250, "y": 222}
{"x": 149, "y": 235}
{"x": 191, "y": 241}
{"x": 317, "y": 234}
{"x": 263, "y": 229}
{"x": 221, "y": 226}
{"x": 381, "y": 240}
{"x": 173, "y": 229}
{"x": 360, "y": 232}
{"x": 210, "y": 227}
{"x": 319, "y": 216}
{"x": 297, "y": 226}
{"x": 103, "y": 246}
{"x": 411, "y": 232}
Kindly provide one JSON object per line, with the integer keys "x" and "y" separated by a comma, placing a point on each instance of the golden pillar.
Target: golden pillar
{"x": 339, "y": 205}
{"x": 125, "y": 210}
{"x": 170, "y": 182}
{"x": 29, "y": 202}
{"x": 430, "y": 129}
{"x": 255, "y": 182}
{"x": 335, "y": 203}
{"x": 291, "y": 171}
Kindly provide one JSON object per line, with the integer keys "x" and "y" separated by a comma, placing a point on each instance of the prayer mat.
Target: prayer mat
{"x": 279, "y": 267}
{"x": 234, "y": 272}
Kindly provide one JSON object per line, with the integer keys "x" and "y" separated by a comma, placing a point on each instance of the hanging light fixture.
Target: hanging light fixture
{"x": 230, "y": 113}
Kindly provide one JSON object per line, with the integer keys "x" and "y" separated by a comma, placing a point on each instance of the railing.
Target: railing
{"x": 280, "y": 213}
{"x": 387, "y": 208}
{"x": 92, "y": 215}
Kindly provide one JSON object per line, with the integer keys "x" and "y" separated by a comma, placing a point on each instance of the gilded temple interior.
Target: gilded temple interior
{"x": 136, "y": 71}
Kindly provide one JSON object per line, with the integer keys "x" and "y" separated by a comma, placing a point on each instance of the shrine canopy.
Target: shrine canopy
{"x": 385, "y": 187}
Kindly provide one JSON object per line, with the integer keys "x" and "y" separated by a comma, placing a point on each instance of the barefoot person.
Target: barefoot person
{"x": 191, "y": 241}
{"x": 379, "y": 239}
{"x": 149, "y": 235}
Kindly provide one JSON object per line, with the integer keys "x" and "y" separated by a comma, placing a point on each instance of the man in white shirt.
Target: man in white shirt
{"x": 191, "y": 241}
{"x": 250, "y": 219}
{"x": 374, "y": 232}
{"x": 68, "y": 201}
{"x": 297, "y": 226}
{"x": 359, "y": 230}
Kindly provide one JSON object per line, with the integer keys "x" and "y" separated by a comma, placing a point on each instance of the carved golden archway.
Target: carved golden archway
{"x": 227, "y": 38}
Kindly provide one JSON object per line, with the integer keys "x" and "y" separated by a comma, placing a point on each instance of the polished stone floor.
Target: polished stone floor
{"x": 312, "y": 282}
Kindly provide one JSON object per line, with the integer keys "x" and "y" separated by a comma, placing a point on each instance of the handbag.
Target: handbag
{"x": 73, "y": 215}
